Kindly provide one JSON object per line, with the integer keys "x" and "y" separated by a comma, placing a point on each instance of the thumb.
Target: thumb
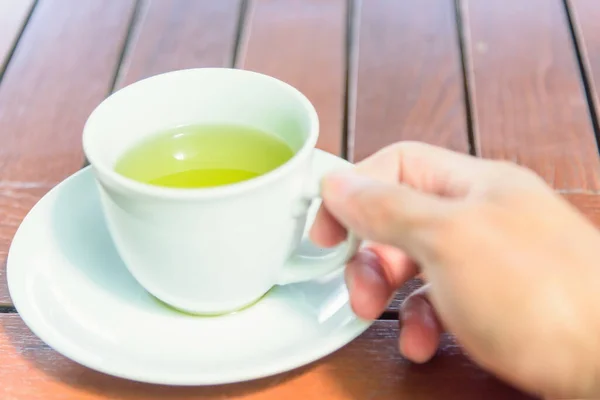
{"x": 393, "y": 214}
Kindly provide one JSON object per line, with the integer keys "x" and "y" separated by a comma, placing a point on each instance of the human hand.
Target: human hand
{"x": 511, "y": 268}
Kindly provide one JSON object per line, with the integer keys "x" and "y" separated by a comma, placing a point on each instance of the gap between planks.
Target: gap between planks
{"x": 127, "y": 40}
{"x": 462, "y": 34}
{"x": 388, "y": 315}
{"x": 135, "y": 15}
{"x": 584, "y": 71}
{"x": 350, "y": 71}
{"x": 239, "y": 33}
{"x": 11, "y": 52}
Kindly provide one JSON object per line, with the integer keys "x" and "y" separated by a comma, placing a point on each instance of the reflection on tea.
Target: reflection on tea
{"x": 197, "y": 156}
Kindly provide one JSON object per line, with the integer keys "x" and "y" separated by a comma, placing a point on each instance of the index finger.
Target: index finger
{"x": 424, "y": 167}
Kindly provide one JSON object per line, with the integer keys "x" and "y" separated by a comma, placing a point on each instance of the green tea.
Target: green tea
{"x": 196, "y": 156}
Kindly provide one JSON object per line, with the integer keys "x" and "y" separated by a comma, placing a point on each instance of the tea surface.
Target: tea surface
{"x": 196, "y": 156}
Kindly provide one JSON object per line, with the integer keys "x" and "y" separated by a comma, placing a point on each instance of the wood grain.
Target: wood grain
{"x": 13, "y": 15}
{"x": 180, "y": 34}
{"x": 587, "y": 204}
{"x": 528, "y": 102}
{"x": 406, "y": 77}
{"x": 585, "y": 15}
{"x": 302, "y": 42}
{"x": 61, "y": 69}
{"x": 15, "y": 202}
{"x": 368, "y": 368}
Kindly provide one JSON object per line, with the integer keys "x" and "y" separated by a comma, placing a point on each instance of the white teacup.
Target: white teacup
{"x": 210, "y": 250}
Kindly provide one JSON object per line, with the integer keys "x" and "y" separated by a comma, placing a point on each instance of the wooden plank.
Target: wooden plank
{"x": 528, "y": 101}
{"x": 302, "y": 42}
{"x": 587, "y": 204}
{"x": 180, "y": 34}
{"x": 403, "y": 292}
{"x": 406, "y": 76}
{"x": 405, "y": 81}
{"x": 367, "y": 368}
{"x": 15, "y": 203}
{"x": 13, "y": 15}
{"x": 62, "y": 68}
{"x": 585, "y": 15}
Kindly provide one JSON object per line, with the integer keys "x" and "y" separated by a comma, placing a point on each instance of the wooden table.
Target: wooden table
{"x": 510, "y": 79}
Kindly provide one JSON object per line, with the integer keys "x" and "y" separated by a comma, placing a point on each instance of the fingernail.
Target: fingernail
{"x": 367, "y": 285}
{"x": 370, "y": 272}
{"x": 419, "y": 308}
{"x": 367, "y": 292}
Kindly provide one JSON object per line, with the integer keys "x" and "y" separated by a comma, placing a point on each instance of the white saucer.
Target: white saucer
{"x": 73, "y": 291}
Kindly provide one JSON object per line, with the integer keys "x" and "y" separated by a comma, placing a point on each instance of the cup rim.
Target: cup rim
{"x": 111, "y": 177}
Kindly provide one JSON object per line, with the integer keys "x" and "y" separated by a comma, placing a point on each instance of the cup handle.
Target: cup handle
{"x": 300, "y": 268}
